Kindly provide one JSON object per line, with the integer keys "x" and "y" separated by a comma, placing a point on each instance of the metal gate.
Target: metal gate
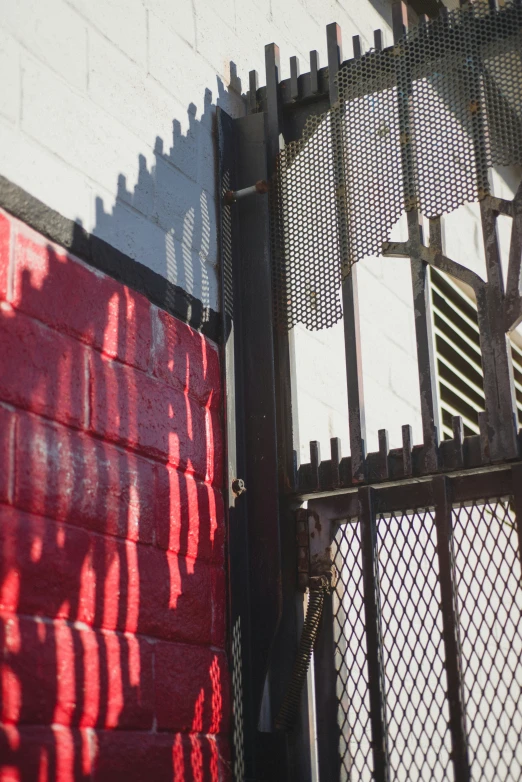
{"x": 417, "y": 670}
{"x": 419, "y": 662}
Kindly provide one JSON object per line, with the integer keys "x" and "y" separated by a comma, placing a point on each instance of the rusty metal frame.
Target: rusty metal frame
{"x": 264, "y": 558}
{"x": 364, "y": 504}
{"x": 499, "y": 312}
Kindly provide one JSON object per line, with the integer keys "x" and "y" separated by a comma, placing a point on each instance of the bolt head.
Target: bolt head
{"x": 238, "y": 486}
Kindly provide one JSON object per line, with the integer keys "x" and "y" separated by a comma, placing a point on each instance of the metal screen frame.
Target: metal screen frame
{"x": 265, "y": 611}
{"x": 442, "y": 499}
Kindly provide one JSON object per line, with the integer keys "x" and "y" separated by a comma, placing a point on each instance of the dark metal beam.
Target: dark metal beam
{"x": 499, "y": 386}
{"x": 516, "y": 472}
{"x": 373, "y": 635}
{"x": 239, "y": 611}
{"x": 352, "y": 337}
{"x": 514, "y": 275}
{"x": 450, "y": 625}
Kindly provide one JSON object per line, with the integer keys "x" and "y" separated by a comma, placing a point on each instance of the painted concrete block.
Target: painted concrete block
{"x": 11, "y": 77}
{"x": 122, "y": 21}
{"x": 54, "y": 33}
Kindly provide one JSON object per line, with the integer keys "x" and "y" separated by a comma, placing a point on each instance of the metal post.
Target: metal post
{"x": 326, "y": 696}
{"x": 450, "y": 625}
{"x": 283, "y": 648}
{"x": 352, "y": 336}
{"x": 419, "y": 269}
{"x": 516, "y": 472}
{"x": 281, "y": 336}
{"x": 425, "y": 356}
{"x": 499, "y": 386}
{"x": 497, "y": 368}
{"x": 372, "y": 611}
{"x": 237, "y": 520}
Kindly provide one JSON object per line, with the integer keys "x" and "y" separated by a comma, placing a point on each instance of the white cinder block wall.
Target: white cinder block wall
{"x": 107, "y": 117}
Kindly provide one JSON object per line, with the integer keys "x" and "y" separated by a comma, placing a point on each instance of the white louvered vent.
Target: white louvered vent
{"x": 458, "y": 355}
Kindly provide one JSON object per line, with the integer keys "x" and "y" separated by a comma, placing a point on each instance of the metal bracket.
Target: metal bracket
{"x": 315, "y": 568}
{"x": 260, "y": 188}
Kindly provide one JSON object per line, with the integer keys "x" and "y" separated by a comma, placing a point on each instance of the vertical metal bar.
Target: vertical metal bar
{"x": 352, "y": 339}
{"x": 499, "y": 385}
{"x": 377, "y": 40}
{"x": 516, "y": 472}
{"x": 253, "y": 83}
{"x": 407, "y": 443}
{"x": 354, "y": 376}
{"x": 458, "y": 440}
{"x": 372, "y": 609}
{"x": 425, "y": 357}
{"x": 484, "y": 437}
{"x": 315, "y": 460}
{"x": 399, "y": 19}
{"x": 419, "y": 269}
{"x": 273, "y": 75}
{"x": 326, "y": 696}
{"x": 314, "y": 68}
{"x": 450, "y": 628}
{"x": 281, "y": 660}
{"x": 335, "y": 58}
{"x": 239, "y": 607}
{"x": 281, "y": 337}
{"x": 497, "y": 368}
{"x": 357, "y": 52}
{"x": 294, "y": 77}
{"x": 513, "y": 289}
{"x": 383, "y": 454}
{"x": 335, "y": 450}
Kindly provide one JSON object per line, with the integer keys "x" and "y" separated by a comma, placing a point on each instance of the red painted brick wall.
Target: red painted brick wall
{"x": 112, "y": 586}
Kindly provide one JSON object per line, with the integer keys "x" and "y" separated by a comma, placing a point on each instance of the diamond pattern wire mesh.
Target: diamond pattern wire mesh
{"x": 489, "y": 599}
{"x": 419, "y": 741}
{"x": 417, "y": 126}
{"x": 489, "y": 617}
{"x": 237, "y": 703}
{"x": 350, "y": 657}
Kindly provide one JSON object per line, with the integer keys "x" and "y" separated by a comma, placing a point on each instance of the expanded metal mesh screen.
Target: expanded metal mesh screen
{"x": 418, "y": 734}
{"x": 488, "y": 583}
{"x": 350, "y": 658}
{"x": 416, "y": 127}
{"x": 489, "y": 594}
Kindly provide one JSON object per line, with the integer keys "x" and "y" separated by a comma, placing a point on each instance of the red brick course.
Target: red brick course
{"x": 112, "y": 583}
{"x": 7, "y": 422}
{"x": 76, "y": 300}
{"x": 71, "y": 476}
{"x": 41, "y": 370}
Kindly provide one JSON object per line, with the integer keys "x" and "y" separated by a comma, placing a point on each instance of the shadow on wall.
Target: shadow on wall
{"x": 168, "y": 220}
{"x": 112, "y": 584}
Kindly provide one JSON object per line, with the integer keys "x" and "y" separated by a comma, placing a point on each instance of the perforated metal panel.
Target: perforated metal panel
{"x": 416, "y": 127}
